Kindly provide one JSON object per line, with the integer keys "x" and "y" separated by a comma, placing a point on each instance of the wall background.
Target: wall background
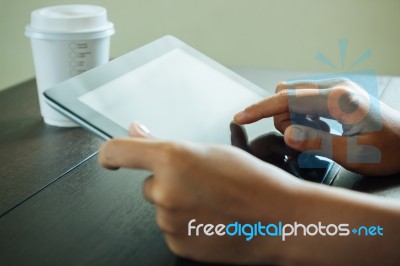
{"x": 275, "y": 34}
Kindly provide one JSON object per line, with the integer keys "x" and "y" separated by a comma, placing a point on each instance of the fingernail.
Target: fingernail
{"x": 139, "y": 128}
{"x": 143, "y": 129}
{"x": 297, "y": 135}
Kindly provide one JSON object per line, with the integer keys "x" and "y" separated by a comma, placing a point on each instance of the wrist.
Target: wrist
{"x": 284, "y": 204}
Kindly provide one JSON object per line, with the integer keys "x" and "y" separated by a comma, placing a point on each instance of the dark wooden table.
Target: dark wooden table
{"x": 59, "y": 207}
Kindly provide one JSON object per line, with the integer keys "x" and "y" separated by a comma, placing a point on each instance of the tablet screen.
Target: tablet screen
{"x": 176, "y": 96}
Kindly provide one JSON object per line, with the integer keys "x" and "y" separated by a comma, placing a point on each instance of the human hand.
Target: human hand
{"x": 212, "y": 184}
{"x": 371, "y": 129}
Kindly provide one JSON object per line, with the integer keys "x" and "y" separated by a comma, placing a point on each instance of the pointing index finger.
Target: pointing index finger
{"x": 303, "y": 101}
{"x": 274, "y": 105}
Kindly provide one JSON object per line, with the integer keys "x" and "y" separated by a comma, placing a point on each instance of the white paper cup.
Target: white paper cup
{"x": 66, "y": 41}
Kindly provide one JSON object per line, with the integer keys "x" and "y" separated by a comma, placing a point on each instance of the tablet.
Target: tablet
{"x": 174, "y": 90}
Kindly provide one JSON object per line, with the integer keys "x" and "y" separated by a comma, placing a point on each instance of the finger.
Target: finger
{"x": 239, "y": 137}
{"x": 317, "y": 142}
{"x": 174, "y": 222}
{"x": 130, "y": 153}
{"x": 139, "y": 131}
{"x": 168, "y": 197}
{"x": 148, "y": 188}
{"x": 304, "y": 101}
{"x": 282, "y": 121}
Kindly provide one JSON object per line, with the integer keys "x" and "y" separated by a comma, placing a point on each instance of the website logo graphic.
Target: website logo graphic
{"x": 281, "y": 230}
{"x": 362, "y": 113}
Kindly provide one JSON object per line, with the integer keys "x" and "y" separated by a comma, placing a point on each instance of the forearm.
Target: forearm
{"x": 336, "y": 206}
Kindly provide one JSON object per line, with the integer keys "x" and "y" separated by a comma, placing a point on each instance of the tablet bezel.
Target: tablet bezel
{"x": 64, "y": 96}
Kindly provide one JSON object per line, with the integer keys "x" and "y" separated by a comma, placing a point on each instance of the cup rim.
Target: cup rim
{"x": 101, "y": 32}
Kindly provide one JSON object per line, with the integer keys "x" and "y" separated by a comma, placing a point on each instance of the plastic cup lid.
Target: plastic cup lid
{"x": 69, "y": 22}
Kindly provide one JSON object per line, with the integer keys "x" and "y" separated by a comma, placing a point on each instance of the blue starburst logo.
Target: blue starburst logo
{"x": 365, "y": 79}
{"x": 343, "y": 44}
